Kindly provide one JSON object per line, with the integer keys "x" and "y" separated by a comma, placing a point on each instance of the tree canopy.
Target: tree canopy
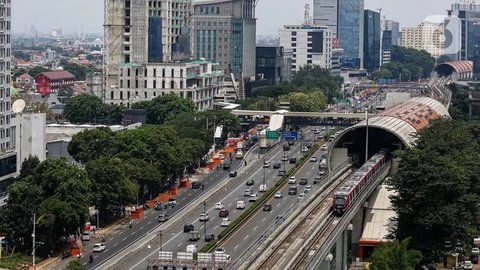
{"x": 305, "y": 102}
{"x": 87, "y": 108}
{"x": 315, "y": 77}
{"x": 161, "y": 108}
{"x": 438, "y": 186}
{"x": 395, "y": 255}
{"x": 406, "y": 64}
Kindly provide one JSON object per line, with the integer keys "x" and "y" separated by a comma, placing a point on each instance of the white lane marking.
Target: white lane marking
{"x": 133, "y": 233}
{"x": 263, "y": 220}
{"x": 179, "y": 244}
{"x": 233, "y": 248}
{"x": 141, "y": 228}
{"x": 278, "y": 204}
{"x": 115, "y": 244}
{"x": 215, "y": 227}
{"x": 279, "y": 154}
{"x": 245, "y": 238}
{"x": 255, "y": 228}
{"x": 230, "y": 204}
{"x": 124, "y": 239}
{"x": 150, "y": 222}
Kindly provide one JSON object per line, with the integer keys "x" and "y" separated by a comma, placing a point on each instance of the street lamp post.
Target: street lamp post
{"x": 283, "y": 158}
{"x": 33, "y": 241}
{"x": 264, "y": 172}
{"x": 160, "y": 233}
{"x": 205, "y": 224}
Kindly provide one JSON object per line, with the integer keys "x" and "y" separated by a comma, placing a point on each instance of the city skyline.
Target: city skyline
{"x": 74, "y": 14}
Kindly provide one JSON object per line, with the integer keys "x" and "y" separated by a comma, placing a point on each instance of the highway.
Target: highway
{"x": 258, "y": 225}
{"x": 122, "y": 236}
{"x": 173, "y": 237}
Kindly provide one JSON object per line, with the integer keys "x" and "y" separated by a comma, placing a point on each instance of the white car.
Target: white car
{"x": 204, "y": 217}
{"x": 253, "y": 198}
{"x": 301, "y": 195}
{"x": 467, "y": 265}
{"x": 278, "y": 194}
{"x": 219, "y": 206}
{"x": 225, "y": 222}
{"x": 475, "y": 251}
{"x": 304, "y": 149}
{"x": 263, "y": 188}
{"x": 266, "y": 164}
{"x": 313, "y": 159}
{"x": 292, "y": 180}
{"x": 324, "y": 147}
{"x": 99, "y": 247}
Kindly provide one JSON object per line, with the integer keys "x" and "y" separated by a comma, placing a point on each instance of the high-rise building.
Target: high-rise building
{"x": 386, "y": 47}
{"x": 394, "y": 28}
{"x": 310, "y": 45}
{"x": 469, "y": 19}
{"x": 350, "y": 31}
{"x": 371, "y": 40}
{"x": 225, "y": 32}
{"x": 325, "y": 13}
{"x": 427, "y": 36}
{"x": 148, "y": 46}
{"x": 271, "y": 63}
{"x": 452, "y": 32}
{"x": 8, "y": 154}
{"x": 468, "y": 5}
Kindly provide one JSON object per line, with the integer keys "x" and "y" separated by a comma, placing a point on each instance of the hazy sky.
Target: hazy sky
{"x": 271, "y": 14}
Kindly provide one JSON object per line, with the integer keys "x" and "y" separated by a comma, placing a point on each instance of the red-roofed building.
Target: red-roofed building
{"x": 52, "y": 81}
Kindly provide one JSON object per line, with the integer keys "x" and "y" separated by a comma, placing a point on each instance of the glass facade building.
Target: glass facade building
{"x": 350, "y": 30}
{"x": 371, "y": 40}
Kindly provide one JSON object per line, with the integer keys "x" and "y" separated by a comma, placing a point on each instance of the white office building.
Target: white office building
{"x": 309, "y": 44}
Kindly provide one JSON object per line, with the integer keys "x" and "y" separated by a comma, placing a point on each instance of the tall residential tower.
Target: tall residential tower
{"x": 8, "y": 155}
{"x": 325, "y": 13}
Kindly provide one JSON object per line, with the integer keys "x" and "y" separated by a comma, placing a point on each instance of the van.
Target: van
{"x": 85, "y": 236}
{"x": 191, "y": 249}
{"x": 240, "y": 205}
{"x": 292, "y": 190}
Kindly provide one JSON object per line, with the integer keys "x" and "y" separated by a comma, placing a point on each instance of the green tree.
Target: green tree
{"x": 262, "y": 103}
{"x": 395, "y": 255}
{"x": 21, "y": 55}
{"x": 162, "y": 108}
{"x": 75, "y": 265}
{"x": 274, "y": 91}
{"x": 438, "y": 186}
{"x": 383, "y": 73}
{"x": 85, "y": 109}
{"x": 65, "y": 91}
{"x": 59, "y": 193}
{"x": 79, "y": 71}
{"x": 443, "y": 59}
{"x": 36, "y": 70}
{"x": 148, "y": 177}
{"x": 315, "y": 77}
{"x": 29, "y": 165}
{"x": 302, "y": 102}
{"x": 91, "y": 144}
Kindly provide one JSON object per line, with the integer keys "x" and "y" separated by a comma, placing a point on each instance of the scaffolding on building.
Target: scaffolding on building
{"x": 167, "y": 260}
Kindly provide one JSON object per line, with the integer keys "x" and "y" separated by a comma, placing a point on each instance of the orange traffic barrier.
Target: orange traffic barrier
{"x": 173, "y": 191}
{"x": 163, "y": 197}
{"x": 151, "y": 203}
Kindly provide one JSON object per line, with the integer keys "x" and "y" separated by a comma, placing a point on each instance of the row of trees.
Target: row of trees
{"x": 438, "y": 186}
{"x": 406, "y": 64}
{"x": 309, "y": 91}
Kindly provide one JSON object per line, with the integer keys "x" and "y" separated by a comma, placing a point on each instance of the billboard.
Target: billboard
{"x": 453, "y": 37}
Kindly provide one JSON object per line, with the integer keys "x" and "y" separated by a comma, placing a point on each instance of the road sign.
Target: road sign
{"x": 272, "y": 135}
{"x": 290, "y": 135}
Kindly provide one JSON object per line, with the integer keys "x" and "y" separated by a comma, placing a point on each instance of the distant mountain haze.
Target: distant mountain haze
{"x": 73, "y": 15}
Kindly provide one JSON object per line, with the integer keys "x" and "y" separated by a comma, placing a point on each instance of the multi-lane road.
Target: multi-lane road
{"x": 258, "y": 224}
{"x": 122, "y": 237}
{"x": 174, "y": 239}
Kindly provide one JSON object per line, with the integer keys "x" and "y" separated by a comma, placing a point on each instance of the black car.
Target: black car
{"x": 196, "y": 185}
{"x": 303, "y": 181}
{"x": 292, "y": 160}
{"x": 209, "y": 237}
{"x": 223, "y": 213}
{"x": 291, "y": 142}
{"x": 226, "y": 166}
{"x": 267, "y": 207}
{"x": 233, "y": 173}
{"x": 281, "y": 173}
{"x": 188, "y": 228}
{"x": 250, "y": 182}
{"x": 277, "y": 165}
{"x": 286, "y": 147}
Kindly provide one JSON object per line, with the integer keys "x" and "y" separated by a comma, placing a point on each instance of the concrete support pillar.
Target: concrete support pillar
{"x": 341, "y": 252}
{"x": 357, "y": 226}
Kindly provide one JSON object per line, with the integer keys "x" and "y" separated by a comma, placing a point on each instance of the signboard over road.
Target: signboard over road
{"x": 290, "y": 135}
{"x": 272, "y": 135}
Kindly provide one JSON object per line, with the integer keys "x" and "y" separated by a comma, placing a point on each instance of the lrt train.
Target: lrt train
{"x": 353, "y": 187}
